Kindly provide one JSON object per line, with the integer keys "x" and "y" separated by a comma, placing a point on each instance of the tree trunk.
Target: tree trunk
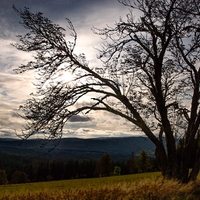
{"x": 178, "y": 169}
{"x": 195, "y": 170}
{"x": 162, "y": 160}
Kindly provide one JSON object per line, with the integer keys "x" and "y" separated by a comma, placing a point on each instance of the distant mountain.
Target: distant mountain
{"x": 76, "y": 148}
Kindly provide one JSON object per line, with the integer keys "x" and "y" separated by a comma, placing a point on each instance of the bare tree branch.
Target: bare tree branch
{"x": 150, "y": 76}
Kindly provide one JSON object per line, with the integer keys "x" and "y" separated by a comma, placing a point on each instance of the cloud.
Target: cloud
{"x": 7, "y": 133}
{"x": 102, "y": 124}
{"x": 78, "y": 118}
{"x": 94, "y": 133}
{"x": 83, "y": 13}
{"x": 15, "y": 88}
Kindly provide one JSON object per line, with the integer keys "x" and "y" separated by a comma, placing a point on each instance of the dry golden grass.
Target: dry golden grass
{"x": 146, "y": 189}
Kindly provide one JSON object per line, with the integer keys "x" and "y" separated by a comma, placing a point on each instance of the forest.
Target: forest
{"x": 21, "y": 169}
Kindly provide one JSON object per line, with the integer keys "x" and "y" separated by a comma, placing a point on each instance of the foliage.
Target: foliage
{"x": 143, "y": 162}
{"x": 150, "y": 76}
{"x": 104, "y": 166}
{"x": 19, "y": 177}
{"x": 117, "y": 170}
{"x": 39, "y": 169}
{"x": 132, "y": 164}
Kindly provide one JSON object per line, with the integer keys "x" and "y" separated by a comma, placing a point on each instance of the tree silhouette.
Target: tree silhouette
{"x": 143, "y": 162}
{"x": 149, "y": 76}
{"x": 104, "y": 166}
{"x": 19, "y": 177}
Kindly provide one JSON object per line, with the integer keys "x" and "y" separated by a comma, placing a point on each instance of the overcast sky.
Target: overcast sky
{"x": 15, "y": 89}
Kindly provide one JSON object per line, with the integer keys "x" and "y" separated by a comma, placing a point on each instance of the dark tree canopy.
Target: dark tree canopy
{"x": 149, "y": 76}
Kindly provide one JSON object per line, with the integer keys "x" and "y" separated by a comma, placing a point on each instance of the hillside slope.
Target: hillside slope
{"x": 76, "y": 148}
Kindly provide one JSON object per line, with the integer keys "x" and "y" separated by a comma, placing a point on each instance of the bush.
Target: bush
{"x": 19, "y": 177}
{"x": 117, "y": 170}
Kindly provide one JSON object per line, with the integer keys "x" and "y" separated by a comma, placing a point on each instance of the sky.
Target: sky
{"x": 16, "y": 88}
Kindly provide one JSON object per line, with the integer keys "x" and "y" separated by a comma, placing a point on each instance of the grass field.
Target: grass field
{"x": 147, "y": 186}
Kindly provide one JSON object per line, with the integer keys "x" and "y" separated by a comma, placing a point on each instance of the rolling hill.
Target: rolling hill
{"x": 75, "y": 148}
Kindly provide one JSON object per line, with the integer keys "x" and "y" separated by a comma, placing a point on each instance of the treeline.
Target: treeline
{"x": 16, "y": 169}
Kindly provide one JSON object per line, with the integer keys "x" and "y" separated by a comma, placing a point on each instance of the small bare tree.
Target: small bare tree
{"x": 150, "y": 76}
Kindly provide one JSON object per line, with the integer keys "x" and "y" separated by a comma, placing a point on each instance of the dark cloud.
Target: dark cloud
{"x": 56, "y": 10}
{"x": 15, "y": 89}
{"x": 86, "y": 130}
{"x": 6, "y": 132}
{"x": 78, "y": 118}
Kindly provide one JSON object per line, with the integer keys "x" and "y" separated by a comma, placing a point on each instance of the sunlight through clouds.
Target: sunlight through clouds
{"x": 15, "y": 89}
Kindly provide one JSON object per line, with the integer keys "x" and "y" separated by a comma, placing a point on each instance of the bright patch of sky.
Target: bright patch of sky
{"x": 15, "y": 88}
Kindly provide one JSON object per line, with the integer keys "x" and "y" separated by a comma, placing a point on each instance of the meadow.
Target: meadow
{"x": 146, "y": 186}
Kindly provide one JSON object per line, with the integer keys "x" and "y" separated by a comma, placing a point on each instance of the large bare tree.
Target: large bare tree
{"x": 149, "y": 76}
